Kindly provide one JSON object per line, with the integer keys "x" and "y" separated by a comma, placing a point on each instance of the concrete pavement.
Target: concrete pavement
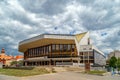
{"x": 62, "y": 76}
{"x": 5, "y": 77}
{"x": 71, "y": 76}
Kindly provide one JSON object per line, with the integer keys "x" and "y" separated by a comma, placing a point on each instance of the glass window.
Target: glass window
{"x": 84, "y": 48}
{"x": 49, "y": 48}
{"x": 65, "y": 47}
{"x": 57, "y": 47}
{"x": 81, "y": 53}
{"x": 44, "y": 50}
{"x": 69, "y": 47}
{"x": 41, "y": 50}
{"x": 85, "y": 53}
{"x": 53, "y": 47}
{"x": 61, "y": 47}
{"x": 35, "y": 52}
{"x": 91, "y": 53}
{"x": 73, "y": 46}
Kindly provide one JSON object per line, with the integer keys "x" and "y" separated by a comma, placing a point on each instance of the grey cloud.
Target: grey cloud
{"x": 48, "y": 7}
{"x": 93, "y": 15}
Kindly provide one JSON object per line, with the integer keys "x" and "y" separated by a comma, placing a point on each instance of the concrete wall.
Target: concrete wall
{"x": 98, "y": 68}
{"x": 83, "y": 41}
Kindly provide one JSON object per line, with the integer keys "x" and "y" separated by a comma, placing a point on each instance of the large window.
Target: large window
{"x": 61, "y": 47}
{"x": 57, "y": 47}
{"x": 73, "y": 46}
{"x": 69, "y": 47}
{"x": 46, "y": 50}
{"x": 51, "y": 49}
{"x": 65, "y": 47}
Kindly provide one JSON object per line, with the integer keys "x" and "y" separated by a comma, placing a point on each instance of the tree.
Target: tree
{"x": 112, "y": 62}
{"x": 118, "y": 64}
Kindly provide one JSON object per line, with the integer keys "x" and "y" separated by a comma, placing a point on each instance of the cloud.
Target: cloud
{"x": 48, "y": 7}
{"x": 22, "y": 19}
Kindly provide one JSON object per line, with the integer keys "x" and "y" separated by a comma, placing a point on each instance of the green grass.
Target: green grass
{"x": 21, "y": 73}
{"x": 96, "y": 72}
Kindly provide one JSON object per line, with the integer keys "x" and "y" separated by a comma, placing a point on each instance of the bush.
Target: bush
{"x": 17, "y": 63}
{"x": 97, "y": 72}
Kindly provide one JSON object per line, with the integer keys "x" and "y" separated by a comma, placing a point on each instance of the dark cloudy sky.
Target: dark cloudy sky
{"x": 22, "y": 19}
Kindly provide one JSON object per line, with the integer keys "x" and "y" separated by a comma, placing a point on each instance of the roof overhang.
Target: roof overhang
{"x": 44, "y": 41}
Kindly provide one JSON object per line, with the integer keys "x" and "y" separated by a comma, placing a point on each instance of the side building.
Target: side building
{"x": 61, "y": 49}
{"x": 115, "y": 53}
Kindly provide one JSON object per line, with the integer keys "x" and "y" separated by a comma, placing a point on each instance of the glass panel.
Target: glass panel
{"x": 49, "y": 48}
{"x": 73, "y": 48}
{"x": 61, "y": 47}
{"x": 57, "y": 47}
{"x": 53, "y": 47}
{"x": 69, "y": 47}
{"x": 65, "y": 47}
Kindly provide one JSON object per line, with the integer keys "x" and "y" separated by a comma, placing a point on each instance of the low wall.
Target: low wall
{"x": 98, "y": 68}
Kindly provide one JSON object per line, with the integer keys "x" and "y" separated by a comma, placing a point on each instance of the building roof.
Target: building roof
{"x": 80, "y": 36}
{"x": 44, "y": 36}
{"x": 45, "y": 39}
{"x": 19, "y": 57}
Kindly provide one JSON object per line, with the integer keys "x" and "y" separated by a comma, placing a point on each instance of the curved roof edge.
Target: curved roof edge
{"x": 54, "y": 36}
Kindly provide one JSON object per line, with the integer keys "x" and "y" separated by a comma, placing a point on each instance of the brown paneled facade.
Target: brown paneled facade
{"x": 51, "y": 54}
{"x": 52, "y": 51}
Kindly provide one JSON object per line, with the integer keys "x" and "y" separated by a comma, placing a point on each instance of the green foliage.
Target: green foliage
{"x": 22, "y": 73}
{"x": 13, "y": 62}
{"x": 16, "y": 63}
{"x": 118, "y": 63}
{"x": 97, "y": 72}
{"x": 112, "y": 62}
{"x": 20, "y": 63}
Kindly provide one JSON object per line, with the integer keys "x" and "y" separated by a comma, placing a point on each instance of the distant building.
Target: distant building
{"x": 115, "y": 53}
{"x": 5, "y": 59}
{"x": 19, "y": 57}
{"x": 61, "y": 49}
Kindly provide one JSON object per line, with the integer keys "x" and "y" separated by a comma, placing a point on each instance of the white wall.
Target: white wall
{"x": 83, "y": 41}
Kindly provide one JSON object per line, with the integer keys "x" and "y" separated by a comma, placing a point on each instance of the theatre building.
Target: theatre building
{"x": 60, "y": 49}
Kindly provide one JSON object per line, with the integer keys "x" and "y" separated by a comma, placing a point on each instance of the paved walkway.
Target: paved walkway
{"x": 4, "y": 77}
{"x": 62, "y": 76}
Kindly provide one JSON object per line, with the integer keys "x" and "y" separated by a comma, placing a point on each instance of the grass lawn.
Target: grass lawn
{"x": 21, "y": 73}
{"x": 96, "y": 72}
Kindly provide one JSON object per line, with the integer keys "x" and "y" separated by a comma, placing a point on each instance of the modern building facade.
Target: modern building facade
{"x": 60, "y": 49}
